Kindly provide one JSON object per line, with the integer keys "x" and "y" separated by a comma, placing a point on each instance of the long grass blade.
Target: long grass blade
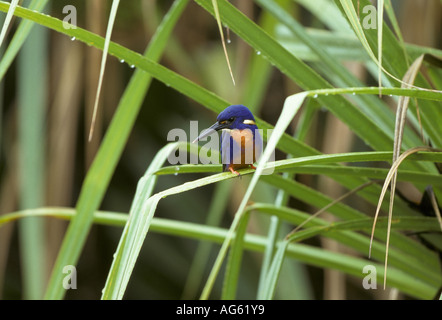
{"x": 402, "y": 108}
{"x": 390, "y": 12}
{"x": 32, "y": 80}
{"x": 202, "y": 254}
{"x": 398, "y": 136}
{"x": 8, "y": 19}
{"x": 436, "y": 208}
{"x": 19, "y": 37}
{"x": 172, "y": 227}
{"x": 136, "y": 228}
{"x": 110, "y": 27}
{"x": 380, "y": 21}
{"x": 274, "y": 271}
{"x": 389, "y": 178}
{"x": 234, "y": 262}
{"x": 220, "y": 27}
{"x": 327, "y": 170}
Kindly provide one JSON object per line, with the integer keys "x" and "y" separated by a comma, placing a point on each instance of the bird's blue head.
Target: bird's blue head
{"x": 233, "y": 117}
{"x": 236, "y": 117}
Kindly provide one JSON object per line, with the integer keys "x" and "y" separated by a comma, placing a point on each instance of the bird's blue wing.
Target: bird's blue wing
{"x": 228, "y": 147}
{"x": 258, "y": 145}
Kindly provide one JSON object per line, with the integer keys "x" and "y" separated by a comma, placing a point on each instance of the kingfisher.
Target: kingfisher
{"x": 240, "y": 142}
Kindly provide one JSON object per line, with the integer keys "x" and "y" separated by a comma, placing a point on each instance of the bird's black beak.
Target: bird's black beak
{"x": 215, "y": 127}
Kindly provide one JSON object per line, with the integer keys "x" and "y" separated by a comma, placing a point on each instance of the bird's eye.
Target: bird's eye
{"x": 231, "y": 119}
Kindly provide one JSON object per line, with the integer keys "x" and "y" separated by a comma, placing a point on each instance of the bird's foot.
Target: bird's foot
{"x": 234, "y": 172}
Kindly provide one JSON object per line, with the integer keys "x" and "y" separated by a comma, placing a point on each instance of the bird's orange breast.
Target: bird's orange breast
{"x": 244, "y": 138}
{"x": 246, "y": 149}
